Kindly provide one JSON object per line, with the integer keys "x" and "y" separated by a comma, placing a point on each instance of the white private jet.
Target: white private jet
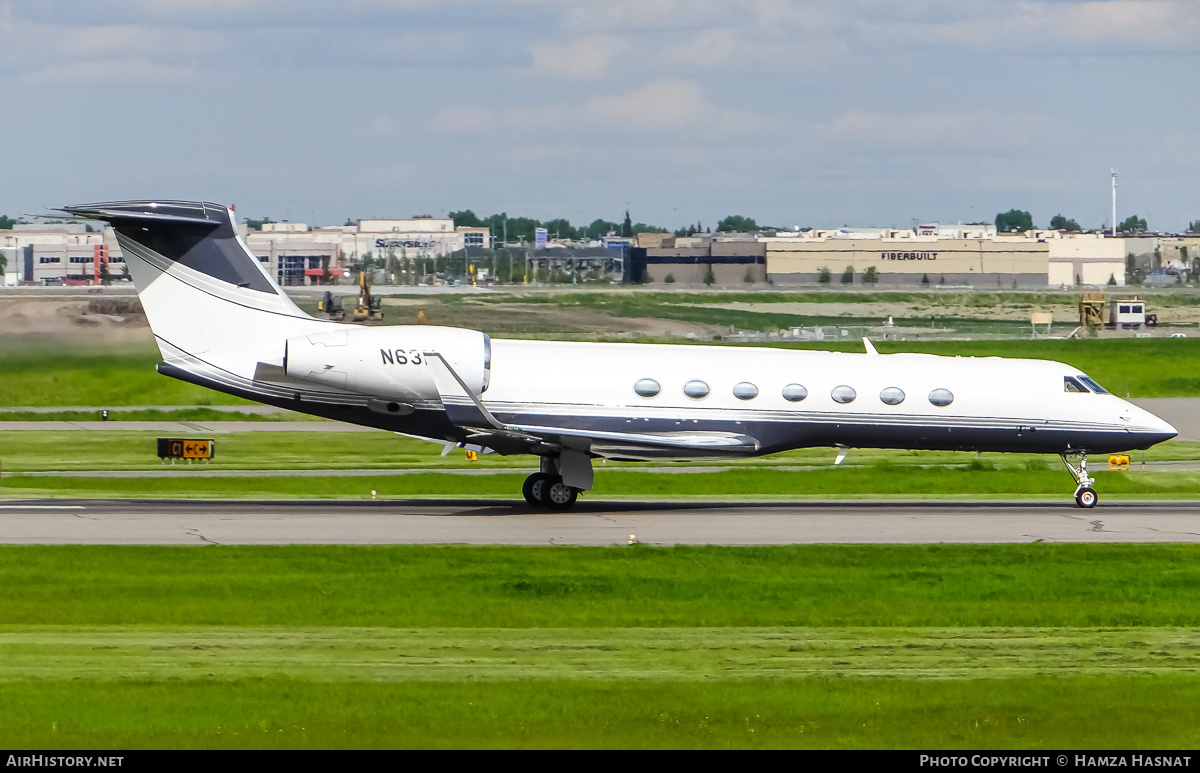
{"x": 221, "y": 322}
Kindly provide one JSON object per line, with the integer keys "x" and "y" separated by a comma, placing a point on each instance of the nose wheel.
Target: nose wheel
{"x": 1085, "y": 495}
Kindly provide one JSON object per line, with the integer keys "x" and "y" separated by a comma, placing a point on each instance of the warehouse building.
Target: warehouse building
{"x": 723, "y": 259}
{"x": 902, "y": 257}
{"x": 58, "y": 254}
{"x": 292, "y": 253}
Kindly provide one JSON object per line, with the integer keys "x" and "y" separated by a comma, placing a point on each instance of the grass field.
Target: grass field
{"x": 791, "y": 475}
{"x": 1000, "y": 647}
{"x": 37, "y": 371}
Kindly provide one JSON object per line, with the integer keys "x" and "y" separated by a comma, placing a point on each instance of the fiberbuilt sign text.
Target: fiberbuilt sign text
{"x": 908, "y": 255}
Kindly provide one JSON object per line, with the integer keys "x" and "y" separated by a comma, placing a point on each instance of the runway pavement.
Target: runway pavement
{"x": 501, "y": 522}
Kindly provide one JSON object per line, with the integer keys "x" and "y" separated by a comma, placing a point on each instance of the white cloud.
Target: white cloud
{"x": 587, "y": 58}
{"x": 663, "y": 106}
{"x": 464, "y": 121}
{"x": 630, "y": 16}
{"x": 1029, "y": 27}
{"x": 109, "y": 72}
{"x": 381, "y": 126}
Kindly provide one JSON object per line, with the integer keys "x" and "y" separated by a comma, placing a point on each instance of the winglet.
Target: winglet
{"x": 870, "y": 346}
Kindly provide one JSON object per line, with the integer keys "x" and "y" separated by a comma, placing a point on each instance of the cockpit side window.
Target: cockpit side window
{"x": 1091, "y": 383}
{"x": 1071, "y": 385}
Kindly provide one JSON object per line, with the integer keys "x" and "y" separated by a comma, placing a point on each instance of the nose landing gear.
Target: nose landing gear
{"x": 1085, "y": 495}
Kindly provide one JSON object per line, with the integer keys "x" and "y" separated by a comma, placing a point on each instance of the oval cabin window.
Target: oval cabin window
{"x": 695, "y": 389}
{"x": 647, "y": 387}
{"x": 794, "y": 393}
{"x": 843, "y": 394}
{"x": 745, "y": 391}
{"x": 941, "y": 397}
{"x": 892, "y": 396}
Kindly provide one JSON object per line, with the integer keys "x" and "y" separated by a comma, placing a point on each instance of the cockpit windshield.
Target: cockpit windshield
{"x": 1092, "y": 385}
{"x": 1073, "y": 385}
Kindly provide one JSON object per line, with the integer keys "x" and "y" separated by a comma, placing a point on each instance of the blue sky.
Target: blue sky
{"x": 819, "y": 113}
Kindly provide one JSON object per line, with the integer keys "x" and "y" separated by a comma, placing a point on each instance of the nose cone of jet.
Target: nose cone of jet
{"x": 1149, "y": 428}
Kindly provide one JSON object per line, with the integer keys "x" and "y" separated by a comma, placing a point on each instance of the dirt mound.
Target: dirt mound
{"x": 116, "y": 307}
{"x": 110, "y": 319}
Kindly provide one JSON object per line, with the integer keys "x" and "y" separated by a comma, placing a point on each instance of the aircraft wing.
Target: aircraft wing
{"x": 466, "y": 410}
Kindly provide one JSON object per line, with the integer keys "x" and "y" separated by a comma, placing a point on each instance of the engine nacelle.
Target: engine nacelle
{"x": 389, "y": 362}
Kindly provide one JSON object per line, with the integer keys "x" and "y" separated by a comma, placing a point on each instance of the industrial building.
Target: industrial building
{"x": 293, "y": 253}
{"x": 960, "y": 255}
{"x": 906, "y": 258}
{"x": 732, "y": 260}
{"x": 970, "y": 255}
{"x": 57, "y": 253}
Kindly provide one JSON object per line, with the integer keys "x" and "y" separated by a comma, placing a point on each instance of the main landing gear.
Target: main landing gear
{"x": 546, "y": 488}
{"x": 542, "y": 489}
{"x": 1085, "y": 495}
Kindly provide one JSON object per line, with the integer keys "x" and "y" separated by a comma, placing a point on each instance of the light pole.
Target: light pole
{"x": 1114, "y": 194}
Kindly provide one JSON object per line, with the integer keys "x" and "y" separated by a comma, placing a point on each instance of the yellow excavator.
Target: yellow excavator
{"x": 367, "y": 309}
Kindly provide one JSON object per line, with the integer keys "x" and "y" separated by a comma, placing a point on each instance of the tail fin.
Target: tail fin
{"x": 212, "y": 307}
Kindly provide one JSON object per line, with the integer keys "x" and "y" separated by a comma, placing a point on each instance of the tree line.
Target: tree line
{"x": 1020, "y": 221}
{"x": 521, "y": 229}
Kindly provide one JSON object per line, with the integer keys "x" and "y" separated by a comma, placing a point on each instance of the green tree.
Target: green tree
{"x": 599, "y": 228}
{"x": 1193, "y": 227}
{"x": 1112, "y": 280}
{"x": 466, "y": 219}
{"x": 737, "y": 224}
{"x": 627, "y": 228}
{"x": 848, "y": 276}
{"x": 709, "y": 278}
{"x": 3, "y": 263}
{"x": 925, "y": 280}
{"x": 6, "y": 223}
{"x": 1014, "y": 220}
{"x": 825, "y": 276}
{"x": 1132, "y": 224}
{"x": 1060, "y": 223}
{"x": 870, "y": 277}
{"x": 497, "y": 224}
{"x": 1133, "y": 273}
{"x": 256, "y": 225}
{"x": 670, "y": 279}
{"x": 561, "y": 228}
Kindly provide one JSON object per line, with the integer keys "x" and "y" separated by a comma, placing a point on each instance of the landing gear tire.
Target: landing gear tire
{"x": 1085, "y": 495}
{"x": 557, "y": 495}
{"x": 534, "y": 487}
